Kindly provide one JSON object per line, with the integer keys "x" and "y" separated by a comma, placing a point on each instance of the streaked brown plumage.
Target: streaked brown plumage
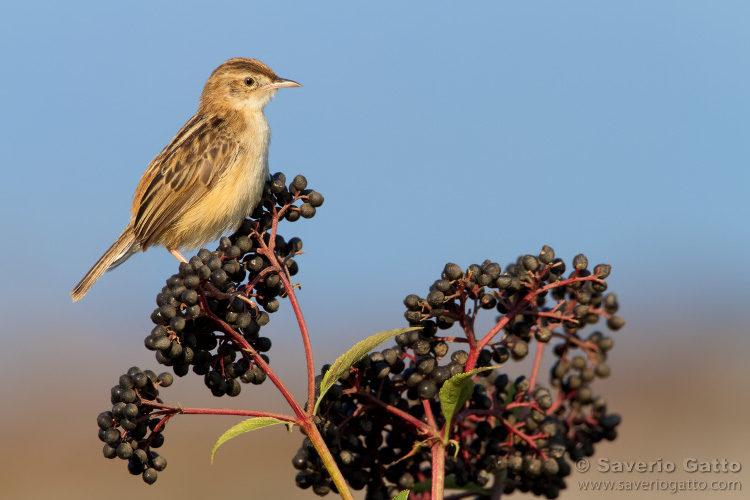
{"x": 210, "y": 177}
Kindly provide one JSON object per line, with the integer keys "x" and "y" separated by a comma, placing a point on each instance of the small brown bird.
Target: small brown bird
{"x": 210, "y": 177}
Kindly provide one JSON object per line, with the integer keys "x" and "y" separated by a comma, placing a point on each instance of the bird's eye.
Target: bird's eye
{"x": 249, "y": 82}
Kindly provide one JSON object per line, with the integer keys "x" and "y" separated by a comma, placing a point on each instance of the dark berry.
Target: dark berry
{"x": 306, "y": 210}
{"x": 149, "y": 476}
{"x": 427, "y": 389}
{"x": 421, "y": 347}
{"x": 166, "y": 379}
{"x": 426, "y": 365}
{"x": 124, "y": 451}
{"x": 440, "y": 349}
{"x": 105, "y": 420}
{"x": 315, "y": 199}
{"x": 299, "y": 183}
{"x": 519, "y": 350}
{"x": 109, "y": 451}
{"x": 452, "y": 271}
{"x": 460, "y": 357}
{"x": 219, "y": 277}
{"x": 615, "y": 323}
{"x": 547, "y": 255}
{"x": 530, "y": 263}
{"x": 558, "y": 267}
{"x": 111, "y": 436}
{"x": 580, "y": 262}
{"x": 543, "y": 334}
{"x": 603, "y": 270}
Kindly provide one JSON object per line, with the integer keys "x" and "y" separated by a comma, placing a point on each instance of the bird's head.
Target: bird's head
{"x": 241, "y": 83}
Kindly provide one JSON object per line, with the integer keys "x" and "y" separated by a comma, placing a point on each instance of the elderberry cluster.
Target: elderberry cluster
{"x": 236, "y": 285}
{"x": 130, "y": 431}
{"x": 522, "y": 436}
{"x": 208, "y": 319}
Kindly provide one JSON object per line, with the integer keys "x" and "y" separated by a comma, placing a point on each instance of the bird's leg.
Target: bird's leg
{"x": 177, "y": 254}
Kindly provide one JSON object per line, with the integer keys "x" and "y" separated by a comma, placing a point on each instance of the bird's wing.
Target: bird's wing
{"x": 199, "y": 155}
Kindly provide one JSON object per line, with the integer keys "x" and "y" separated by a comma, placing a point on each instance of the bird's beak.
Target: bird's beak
{"x": 281, "y": 83}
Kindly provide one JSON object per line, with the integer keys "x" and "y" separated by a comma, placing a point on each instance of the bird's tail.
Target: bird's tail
{"x": 125, "y": 246}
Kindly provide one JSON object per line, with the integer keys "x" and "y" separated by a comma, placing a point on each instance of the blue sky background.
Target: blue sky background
{"x": 436, "y": 132}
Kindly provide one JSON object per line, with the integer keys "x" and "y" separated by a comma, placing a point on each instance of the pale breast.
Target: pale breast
{"x": 223, "y": 208}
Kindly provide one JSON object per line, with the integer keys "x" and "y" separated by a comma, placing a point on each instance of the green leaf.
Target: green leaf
{"x": 455, "y": 392}
{"x": 245, "y": 426}
{"x": 450, "y": 484}
{"x": 511, "y": 395}
{"x": 404, "y": 495}
{"x": 352, "y": 356}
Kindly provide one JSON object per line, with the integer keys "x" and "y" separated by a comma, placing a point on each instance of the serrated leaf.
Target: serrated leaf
{"x": 455, "y": 392}
{"x": 404, "y": 495}
{"x": 248, "y": 425}
{"x": 353, "y": 355}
